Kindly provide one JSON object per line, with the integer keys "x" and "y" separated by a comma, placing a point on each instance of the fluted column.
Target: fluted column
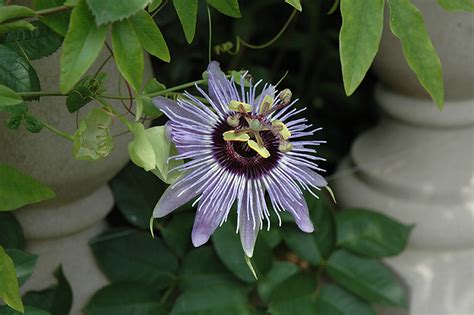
{"x": 417, "y": 165}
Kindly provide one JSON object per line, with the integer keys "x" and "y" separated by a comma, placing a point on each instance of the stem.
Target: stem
{"x": 102, "y": 65}
{"x": 117, "y": 114}
{"x": 60, "y": 133}
{"x": 274, "y": 39}
{"x": 35, "y": 94}
{"x": 53, "y": 10}
{"x": 210, "y": 32}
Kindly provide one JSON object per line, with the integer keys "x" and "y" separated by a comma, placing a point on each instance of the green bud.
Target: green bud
{"x": 254, "y": 124}
{"x": 233, "y": 121}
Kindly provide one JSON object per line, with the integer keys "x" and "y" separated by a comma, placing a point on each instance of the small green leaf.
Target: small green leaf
{"x": 12, "y": 232}
{"x": 58, "y": 21}
{"x": 229, "y": 249}
{"x": 457, "y": 5}
{"x": 82, "y": 46}
{"x": 140, "y": 150}
{"x": 8, "y": 97}
{"x": 93, "y": 140}
{"x": 125, "y": 299}
{"x": 36, "y": 44}
{"x": 177, "y": 231}
{"x": 154, "y": 4}
{"x": 29, "y": 310}
{"x": 201, "y": 265}
{"x": 56, "y": 299}
{"x": 359, "y": 39}
{"x": 16, "y": 26}
{"x": 15, "y": 12}
{"x": 9, "y": 290}
{"x": 18, "y": 189}
{"x": 336, "y": 301}
{"x": 187, "y": 14}
{"x": 280, "y": 271}
{"x": 149, "y": 109}
{"x": 106, "y": 11}
{"x": 227, "y": 7}
{"x": 295, "y": 295}
{"x": 366, "y": 278}
{"x": 150, "y": 35}
{"x": 136, "y": 193}
{"x": 24, "y": 264}
{"x": 134, "y": 256}
{"x": 295, "y": 4}
{"x": 32, "y": 124}
{"x": 85, "y": 91}
{"x": 370, "y": 233}
{"x": 16, "y": 72}
{"x": 407, "y": 24}
{"x": 163, "y": 149}
{"x": 128, "y": 53}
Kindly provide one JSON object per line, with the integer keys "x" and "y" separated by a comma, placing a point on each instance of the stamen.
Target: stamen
{"x": 267, "y": 103}
{"x": 240, "y": 106}
{"x": 282, "y": 129}
{"x": 232, "y": 135}
{"x": 260, "y": 149}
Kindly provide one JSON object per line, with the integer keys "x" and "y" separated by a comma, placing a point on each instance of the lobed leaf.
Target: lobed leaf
{"x": 12, "y": 232}
{"x": 457, "y": 5}
{"x": 24, "y": 264}
{"x": 295, "y": 4}
{"x": 336, "y": 301}
{"x": 106, "y": 11}
{"x": 9, "y": 290}
{"x": 11, "y": 12}
{"x": 187, "y": 14}
{"x": 8, "y": 97}
{"x": 227, "y": 7}
{"x": 59, "y": 21}
{"x": 16, "y": 72}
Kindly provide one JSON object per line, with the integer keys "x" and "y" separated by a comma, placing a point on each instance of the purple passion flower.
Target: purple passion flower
{"x": 238, "y": 149}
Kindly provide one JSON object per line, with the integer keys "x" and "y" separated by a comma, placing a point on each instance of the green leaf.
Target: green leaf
{"x": 320, "y": 213}
{"x": 24, "y": 264}
{"x": 32, "y": 124}
{"x": 187, "y": 14}
{"x": 229, "y": 249}
{"x": 36, "y": 44}
{"x": 29, "y": 310}
{"x": 125, "y": 299}
{"x": 16, "y": 72}
{"x": 21, "y": 25}
{"x": 280, "y": 271}
{"x": 407, "y": 24}
{"x": 18, "y": 189}
{"x": 370, "y": 233}
{"x": 58, "y": 22}
{"x": 201, "y": 265}
{"x": 82, "y": 46}
{"x": 106, "y": 11}
{"x": 128, "y": 53}
{"x": 163, "y": 149}
{"x": 56, "y": 299}
{"x": 227, "y": 7}
{"x": 149, "y": 109}
{"x": 295, "y": 295}
{"x": 9, "y": 290}
{"x": 8, "y": 97}
{"x": 154, "y": 4}
{"x": 457, "y": 5}
{"x": 359, "y": 39}
{"x": 136, "y": 193}
{"x": 366, "y": 278}
{"x": 295, "y": 4}
{"x": 11, "y": 235}
{"x": 134, "y": 256}
{"x": 336, "y": 301}
{"x": 150, "y": 35}
{"x": 177, "y": 232}
{"x": 212, "y": 300}
{"x": 15, "y": 12}
{"x": 141, "y": 150}
{"x": 93, "y": 140}
{"x": 85, "y": 91}
{"x": 303, "y": 244}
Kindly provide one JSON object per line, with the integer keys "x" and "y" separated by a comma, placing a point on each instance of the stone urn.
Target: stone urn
{"x": 417, "y": 166}
{"x": 58, "y": 230}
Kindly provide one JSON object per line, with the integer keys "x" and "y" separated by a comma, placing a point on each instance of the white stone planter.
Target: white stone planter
{"x": 59, "y": 230}
{"x": 417, "y": 165}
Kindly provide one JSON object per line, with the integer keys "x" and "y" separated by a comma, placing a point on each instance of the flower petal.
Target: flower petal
{"x": 299, "y": 210}
{"x": 174, "y": 111}
{"x": 175, "y": 196}
{"x": 247, "y": 228}
{"x": 220, "y": 90}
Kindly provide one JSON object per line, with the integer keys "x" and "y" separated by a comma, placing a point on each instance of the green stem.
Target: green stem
{"x": 36, "y": 94}
{"x": 117, "y": 114}
{"x": 53, "y": 10}
{"x": 210, "y": 32}
{"x": 274, "y": 39}
{"x": 60, "y": 133}
{"x": 102, "y": 65}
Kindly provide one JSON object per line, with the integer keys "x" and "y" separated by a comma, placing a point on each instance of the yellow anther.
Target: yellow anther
{"x": 285, "y": 146}
{"x": 240, "y": 106}
{"x": 285, "y": 96}
{"x": 260, "y": 149}
{"x": 282, "y": 129}
{"x": 231, "y": 135}
{"x": 267, "y": 103}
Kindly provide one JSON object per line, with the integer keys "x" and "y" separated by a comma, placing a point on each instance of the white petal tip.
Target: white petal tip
{"x": 199, "y": 239}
